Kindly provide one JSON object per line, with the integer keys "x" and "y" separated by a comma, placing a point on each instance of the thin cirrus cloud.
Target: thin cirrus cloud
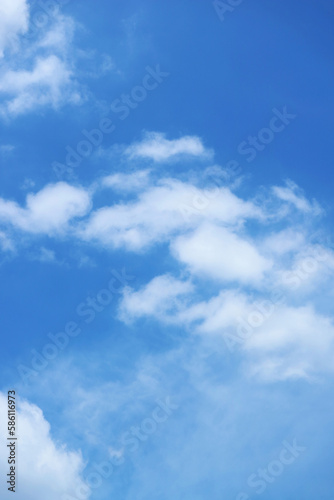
{"x": 5, "y": 243}
{"x": 6, "y": 149}
{"x": 127, "y": 182}
{"x": 294, "y": 196}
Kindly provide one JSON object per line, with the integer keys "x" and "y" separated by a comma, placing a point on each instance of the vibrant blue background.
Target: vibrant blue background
{"x": 225, "y": 79}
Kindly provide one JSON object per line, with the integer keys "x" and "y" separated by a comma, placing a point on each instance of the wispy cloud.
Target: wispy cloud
{"x": 156, "y": 147}
{"x": 243, "y": 250}
{"x": 293, "y": 195}
{"x": 14, "y": 20}
{"x": 36, "y": 71}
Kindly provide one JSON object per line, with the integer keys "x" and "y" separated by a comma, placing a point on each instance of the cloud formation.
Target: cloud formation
{"x": 156, "y": 147}
{"x": 14, "y": 17}
{"x": 48, "y": 211}
{"x": 38, "y": 70}
{"x": 221, "y": 254}
{"x": 46, "y": 469}
{"x": 230, "y": 254}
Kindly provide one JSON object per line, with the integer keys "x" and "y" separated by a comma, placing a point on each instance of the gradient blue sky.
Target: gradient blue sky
{"x": 195, "y": 250}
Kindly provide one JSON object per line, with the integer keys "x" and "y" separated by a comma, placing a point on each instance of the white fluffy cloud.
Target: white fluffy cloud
{"x": 156, "y": 147}
{"x": 39, "y": 70}
{"x": 43, "y": 85}
{"x": 294, "y": 342}
{"x": 310, "y": 267}
{"x": 218, "y": 314}
{"x": 242, "y": 249}
{"x": 14, "y": 17}
{"x": 161, "y": 298}
{"x": 162, "y": 211}
{"x": 221, "y": 254}
{"x": 284, "y": 241}
{"x": 48, "y": 211}
{"x": 45, "y": 469}
{"x": 277, "y": 341}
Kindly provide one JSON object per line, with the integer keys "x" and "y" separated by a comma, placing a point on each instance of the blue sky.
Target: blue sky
{"x": 166, "y": 248}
